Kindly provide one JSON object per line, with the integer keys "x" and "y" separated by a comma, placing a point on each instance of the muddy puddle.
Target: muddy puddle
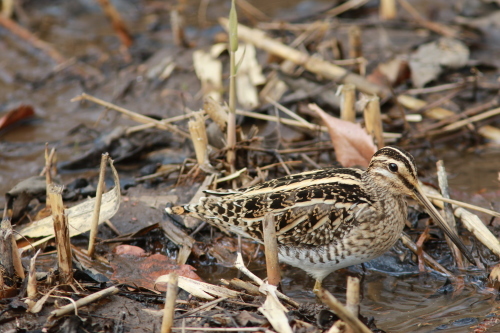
{"x": 394, "y": 292}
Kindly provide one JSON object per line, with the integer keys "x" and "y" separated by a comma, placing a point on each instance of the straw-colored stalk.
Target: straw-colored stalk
{"x": 216, "y": 112}
{"x": 97, "y": 208}
{"x": 61, "y": 232}
{"x": 271, "y": 248}
{"x": 373, "y": 120}
{"x": 199, "y": 136}
{"x": 387, "y": 9}
{"x": 347, "y": 102}
{"x": 448, "y": 210}
{"x": 168, "y": 314}
{"x": 9, "y": 256}
{"x": 231, "y": 125}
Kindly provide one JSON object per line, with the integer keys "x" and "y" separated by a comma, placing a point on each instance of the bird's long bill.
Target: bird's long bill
{"x": 442, "y": 223}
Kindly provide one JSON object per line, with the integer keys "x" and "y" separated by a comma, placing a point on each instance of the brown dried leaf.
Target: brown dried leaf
{"x": 353, "y": 146}
{"x": 22, "y": 112}
{"x": 143, "y": 271}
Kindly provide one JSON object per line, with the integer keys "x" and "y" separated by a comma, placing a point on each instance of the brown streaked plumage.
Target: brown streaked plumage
{"x": 326, "y": 219}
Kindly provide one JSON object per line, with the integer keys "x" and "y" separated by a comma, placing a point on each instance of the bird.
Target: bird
{"x": 326, "y": 219}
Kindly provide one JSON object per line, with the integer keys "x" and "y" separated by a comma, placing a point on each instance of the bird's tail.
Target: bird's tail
{"x": 177, "y": 210}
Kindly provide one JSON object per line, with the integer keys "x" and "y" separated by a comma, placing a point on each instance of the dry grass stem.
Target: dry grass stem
{"x": 61, "y": 231}
{"x": 448, "y": 212}
{"x": 199, "y": 137}
{"x": 232, "y": 176}
{"x": 373, "y": 120}
{"x": 9, "y": 256}
{"x": 463, "y": 204}
{"x": 346, "y": 6}
{"x": 177, "y": 24}
{"x": 313, "y": 64}
{"x": 347, "y": 102}
{"x": 487, "y": 131}
{"x": 387, "y": 9}
{"x": 355, "y": 46}
{"x": 171, "y": 295}
{"x": 356, "y": 325}
{"x": 470, "y": 221}
{"x": 433, "y": 26}
{"x": 83, "y": 302}
{"x": 180, "y": 238}
{"x": 288, "y": 112}
{"x": 285, "y": 121}
{"x": 117, "y": 21}
{"x": 97, "y": 208}
{"x": 31, "y": 289}
{"x": 26, "y": 35}
{"x": 352, "y": 295}
{"x": 132, "y": 115}
{"x": 428, "y": 259}
{"x": 271, "y": 250}
{"x": 216, "y": 112}
{"x": 240, "y": 265}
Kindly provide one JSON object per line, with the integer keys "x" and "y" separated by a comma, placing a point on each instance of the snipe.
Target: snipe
{"x": 326, "y": 219}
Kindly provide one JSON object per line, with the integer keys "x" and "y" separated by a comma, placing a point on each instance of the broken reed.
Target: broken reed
{"x": 231, "y": 124}
{"x": 340, "y": 310}
{"x": 387, "y": 9}
{"x": 199, "y": 137}
{"x": 373, "y": 120}
{"x": 171, "y": 294}
{"x": 271, "y": 249}
{"x": 9, "y": 256}
{"x": 61, "y": 232}
{"x": 97, "y": 208}
{"x": 347, "y": 102}
{"x": 448, "y": 213}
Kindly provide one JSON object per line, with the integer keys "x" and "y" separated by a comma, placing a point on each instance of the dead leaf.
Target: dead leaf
{"x": 429, "y": 60}
{"x": 393, "y": 72}
{"x": 130, "y": 250}
{"x": 353, "y": 146}
{"x": 79, "y": 216}
{"x": 143, "y": 271}
{"x": 22, "y": 112}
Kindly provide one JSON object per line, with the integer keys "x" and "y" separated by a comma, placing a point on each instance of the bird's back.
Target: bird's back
{"x": 310, "y": 209}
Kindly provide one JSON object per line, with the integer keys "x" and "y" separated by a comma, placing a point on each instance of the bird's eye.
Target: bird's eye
{"x": 393, "y": 167}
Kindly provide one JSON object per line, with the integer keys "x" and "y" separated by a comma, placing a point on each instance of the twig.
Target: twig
{"x": 231, "y": 120}
{"x": 347, "y": 102}
{"x": 430, "y": 261}
{"x": 463, "y": 204}
{"x": 97, "y": 208}
{"x": 117, "y": 22}
{"x": 83, "y": 301}
{"x": 352, "y": 296}
{"x": 313, "y": 64}
{"x": 171, "y": 295}
{"x": 346, "y": 6}
{"x": 32, "y": 39}
{"x": 373, "y": 120}
{"x": 344, "y": 314}
{"x": 61, "y": 231}
{"x": 241, "y": 266}
{"x": 132, "y": 115}
{"x": 458, "y": 124}
{"x": 271, "y": 249}
{"x": 449, "y": 217}
{"x": 387, "y": 9}
{"x": 469, "y": 112}
{"x": 433, "y": 26}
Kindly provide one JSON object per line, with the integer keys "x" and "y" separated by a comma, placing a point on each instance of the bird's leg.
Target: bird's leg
{"x": 317, "y": 286}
